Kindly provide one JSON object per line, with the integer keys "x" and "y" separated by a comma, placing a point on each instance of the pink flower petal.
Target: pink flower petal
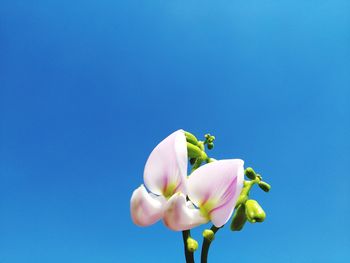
{"x": 166, "y": 168}
{"x": 181, "y": 215}
{"x": 146, "y": 209}
{"x": 215, "y": 187}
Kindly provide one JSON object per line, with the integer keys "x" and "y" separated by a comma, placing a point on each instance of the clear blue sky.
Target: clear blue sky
{"x": 88, "y": 88}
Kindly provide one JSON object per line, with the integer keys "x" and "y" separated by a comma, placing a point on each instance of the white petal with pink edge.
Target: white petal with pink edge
{"x": 146, "y": 209}
{"x": 215, "y": 187}
{"x": 166, "y": 168}
{"x": 181, "y": 214}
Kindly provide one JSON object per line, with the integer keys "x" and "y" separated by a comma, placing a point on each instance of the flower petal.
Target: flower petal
{"x": 181, "y": 214}
{"x": 166, "y": 168}
{"x": 145, "y": 208}
{"x": 215, "y": 187}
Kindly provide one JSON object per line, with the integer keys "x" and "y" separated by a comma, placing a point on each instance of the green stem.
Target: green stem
{"x": 206, "y": 246}
{"x": 189, "y": 255}
{"x": 187, "y": 233}
{"x": 243, "y": 197}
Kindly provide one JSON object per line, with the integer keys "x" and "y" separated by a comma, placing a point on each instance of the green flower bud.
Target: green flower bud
{"x": 192, "y": 244}
{"x": 200, "y": 144}
{"x": 254, "y": 212}
{"x": 209, "y": 138}
{"x": 210, "y": 145}
{"x": 191, "y": 138}
{"x": 193, "y": 151}
{"x": 204, "y": 156}
{"x": 264, "y": 186}
{"x": 249, "y": 172}
{"x": 239, "y": 218}
{"x": 209, "y": 234}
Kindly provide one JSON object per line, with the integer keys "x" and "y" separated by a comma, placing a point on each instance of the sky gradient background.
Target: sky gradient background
{"x": 88, "y": 88}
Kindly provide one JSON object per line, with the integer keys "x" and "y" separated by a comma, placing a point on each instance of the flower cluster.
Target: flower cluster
{"x": 184, "y": 201}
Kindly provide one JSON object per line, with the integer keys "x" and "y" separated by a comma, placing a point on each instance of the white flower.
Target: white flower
{"x": 208, "y": 194}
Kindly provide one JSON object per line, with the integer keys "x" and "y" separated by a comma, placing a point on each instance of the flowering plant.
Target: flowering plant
{"x": 212, "y": 192}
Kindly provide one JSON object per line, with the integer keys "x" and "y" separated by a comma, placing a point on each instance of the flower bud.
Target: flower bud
{"x": 209, "y": 138}
{"x": 254, "y": 212}
{"x": 239, "y": 218}
{"x": 191, "y": 138}
{"x": 210, "y": 145}
{"x": 193, "y": 151}
{"x": 249, "y": 172}
{"x": 209, "y": 234}
{"x": 264, "y": 186}
{"x": 200, "y": 144}
{"x": 192, "y": 244}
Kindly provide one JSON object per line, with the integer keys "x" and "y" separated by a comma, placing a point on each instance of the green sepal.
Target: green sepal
{"x": 250, "y": 173}
{"x": 264, "y": 186}
{"x": 254, "y": 211}
{"x": 192, "y": 244}
{"x": 191, "y": 138}
{"x": 239, "y": 218}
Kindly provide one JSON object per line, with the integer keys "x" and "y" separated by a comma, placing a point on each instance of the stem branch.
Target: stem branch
{"x": 206, "y": 246}
{"x": 187, "y": 233}
{"x": 189, "y": 255}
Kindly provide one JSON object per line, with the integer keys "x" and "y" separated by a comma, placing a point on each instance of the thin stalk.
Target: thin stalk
{"x": 187, "y": 233}
{"x": 206, "y": 246}
{"x": 189, "y": 255}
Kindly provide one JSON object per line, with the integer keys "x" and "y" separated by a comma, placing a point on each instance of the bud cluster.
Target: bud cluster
{"x": 209, "y": 141}
{"x": 196, "y": 150}
{"x": 249, "y": 209}
{"x": 246, "y": 209}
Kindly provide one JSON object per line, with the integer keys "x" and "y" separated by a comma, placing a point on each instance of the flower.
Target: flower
{"x": 165, "y": 174}
{"x": 183, "y": 202}
{"x": 214, "y": 189}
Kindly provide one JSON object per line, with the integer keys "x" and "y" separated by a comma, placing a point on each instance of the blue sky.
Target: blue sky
{"x": 88, "y": 88}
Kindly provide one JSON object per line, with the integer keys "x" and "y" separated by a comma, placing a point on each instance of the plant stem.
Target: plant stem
{"x": 206, "y": 246}
{"x": 187, "y": 233}
{"x": 189, "y": 255}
